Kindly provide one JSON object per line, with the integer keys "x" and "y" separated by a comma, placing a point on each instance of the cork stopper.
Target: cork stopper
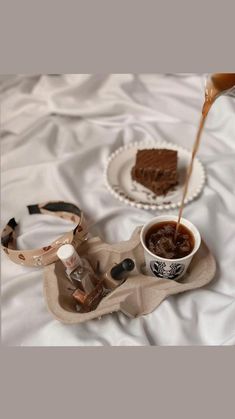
{"x": 119, "y": 270}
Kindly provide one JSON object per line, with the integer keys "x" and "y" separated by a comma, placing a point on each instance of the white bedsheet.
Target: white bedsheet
{"x": 56, "y": 134}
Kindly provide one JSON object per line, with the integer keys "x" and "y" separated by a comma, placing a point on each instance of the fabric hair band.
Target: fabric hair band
{"x": 47, "y": 254}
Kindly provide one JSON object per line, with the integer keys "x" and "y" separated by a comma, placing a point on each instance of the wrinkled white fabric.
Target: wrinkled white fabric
{"x": 57, "y": 132}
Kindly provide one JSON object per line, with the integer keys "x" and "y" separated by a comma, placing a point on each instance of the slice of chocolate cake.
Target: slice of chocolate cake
{"x": 156, "y": 169}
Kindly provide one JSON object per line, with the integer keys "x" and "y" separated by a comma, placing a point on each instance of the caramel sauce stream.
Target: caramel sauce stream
{"x": 217, "y": 85}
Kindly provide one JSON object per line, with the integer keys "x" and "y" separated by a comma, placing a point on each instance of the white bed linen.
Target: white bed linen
{"x": 56, "y": 134}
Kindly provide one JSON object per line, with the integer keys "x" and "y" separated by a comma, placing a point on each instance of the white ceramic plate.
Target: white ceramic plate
{"x": 119, "y": 182}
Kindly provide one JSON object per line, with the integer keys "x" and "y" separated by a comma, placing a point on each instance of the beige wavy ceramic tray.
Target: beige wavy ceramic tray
{"x": 139, "y": 294}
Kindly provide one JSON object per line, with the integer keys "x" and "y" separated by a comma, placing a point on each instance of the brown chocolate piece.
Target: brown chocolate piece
{"x": 156, "y": 169}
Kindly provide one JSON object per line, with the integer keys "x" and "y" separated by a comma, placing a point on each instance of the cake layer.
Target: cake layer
{"x": 158, "y": 187}
{"x": 153, "y": 174}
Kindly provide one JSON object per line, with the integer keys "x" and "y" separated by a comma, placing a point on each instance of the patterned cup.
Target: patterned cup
{"x": 168, "y": 268}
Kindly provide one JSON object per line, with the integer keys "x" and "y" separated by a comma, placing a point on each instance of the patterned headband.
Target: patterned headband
{"x": 45, "y": 255}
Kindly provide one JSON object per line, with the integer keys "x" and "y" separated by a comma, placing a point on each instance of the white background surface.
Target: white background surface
{"x": 57, "y": 132}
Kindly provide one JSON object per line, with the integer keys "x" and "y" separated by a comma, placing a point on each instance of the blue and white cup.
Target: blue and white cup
{"x": 168, "y": 268}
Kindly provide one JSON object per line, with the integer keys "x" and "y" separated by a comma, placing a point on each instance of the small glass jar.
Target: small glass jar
{"x": 217, "y": 84}
{"x": 89, "y": 288}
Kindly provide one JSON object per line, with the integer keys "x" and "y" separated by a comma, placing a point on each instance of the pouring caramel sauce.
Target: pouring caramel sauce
{"x": 217, "y": 84}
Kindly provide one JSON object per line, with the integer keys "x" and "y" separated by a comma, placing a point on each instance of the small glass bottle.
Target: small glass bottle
{"x": 216, "y": 85}
{"x": 118, "y": 273}
{"x": 89, "y": 289}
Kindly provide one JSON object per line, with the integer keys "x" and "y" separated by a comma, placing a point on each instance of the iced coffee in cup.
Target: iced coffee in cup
{"x": 167, "y": 254}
